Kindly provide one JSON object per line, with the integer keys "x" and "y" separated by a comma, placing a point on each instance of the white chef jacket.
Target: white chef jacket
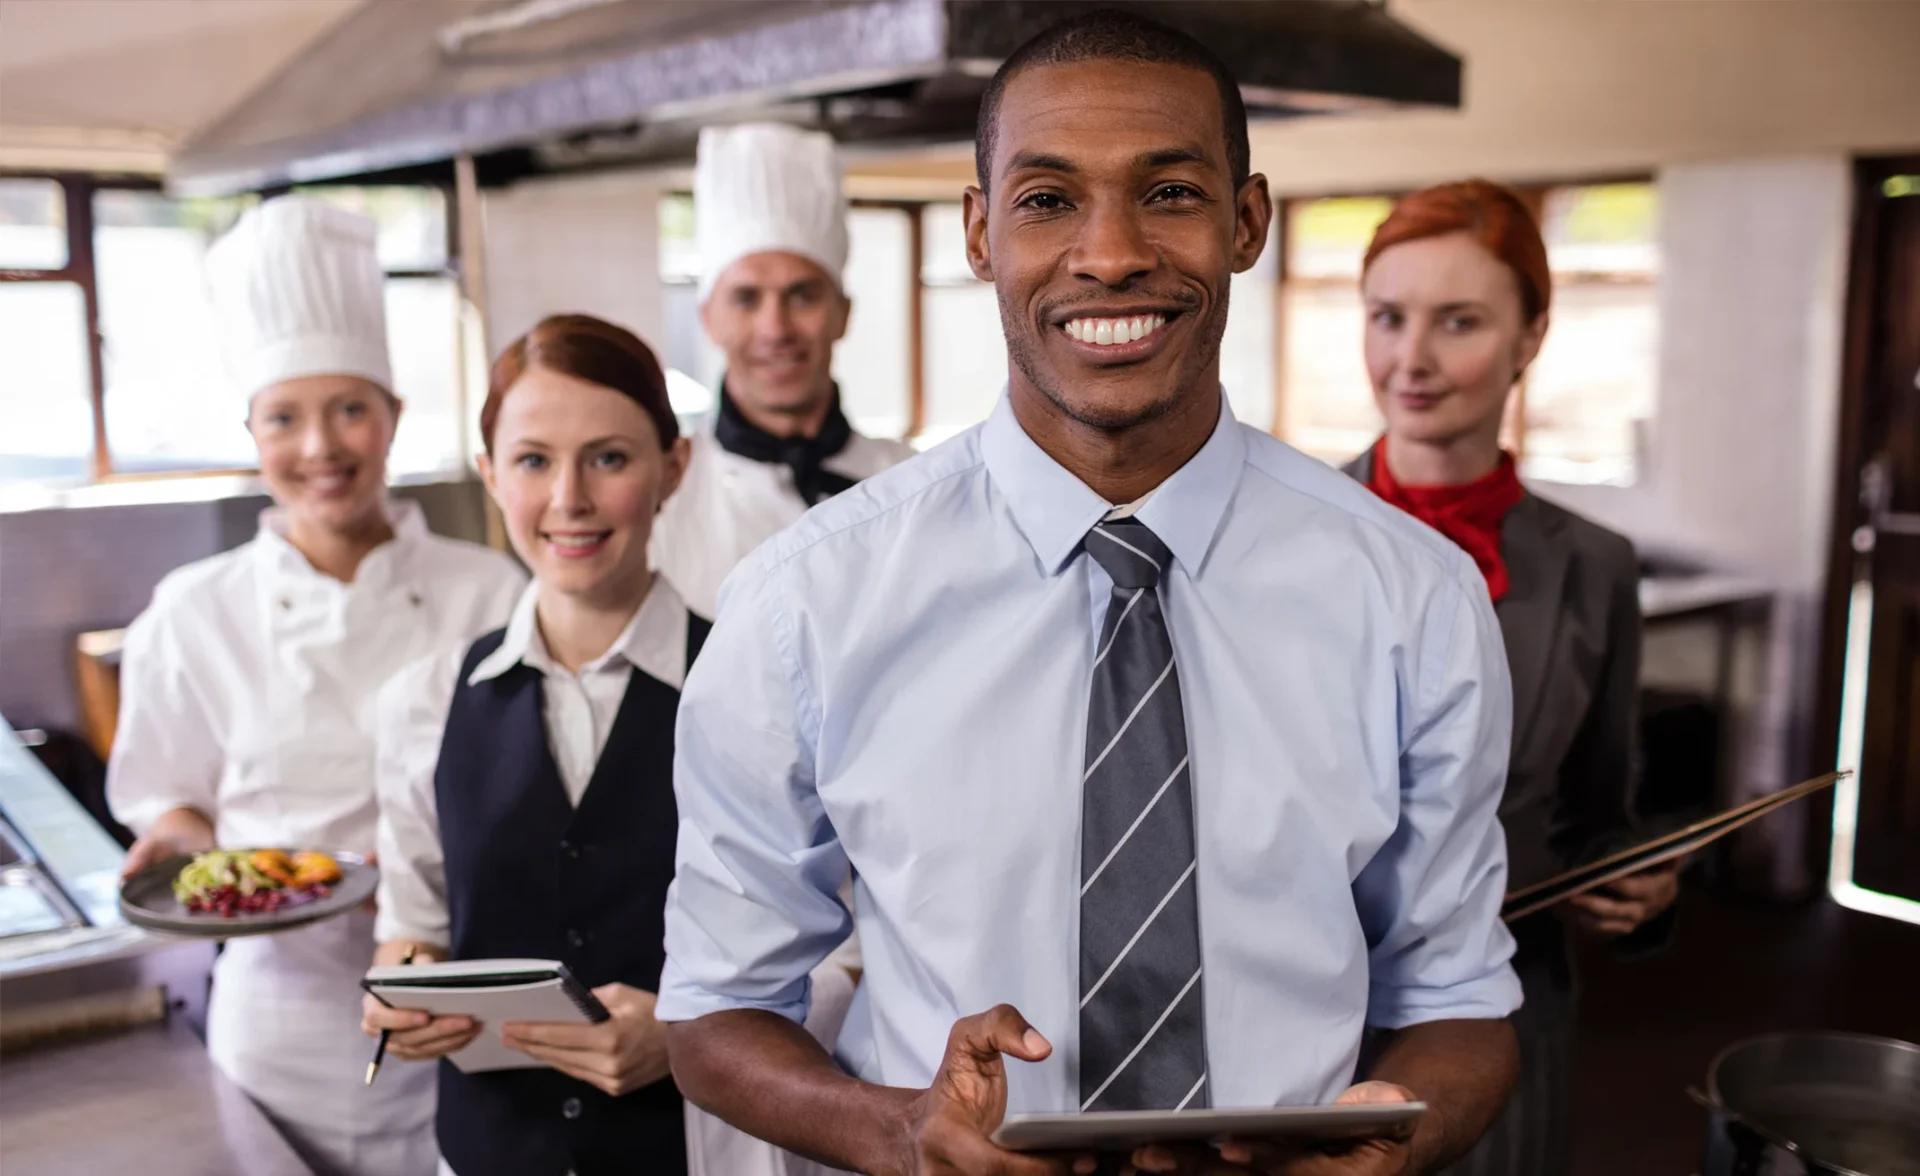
{"x": 247, "y": 692}
{"x": 579, "y": 710}
{"x": 728, "y": 505}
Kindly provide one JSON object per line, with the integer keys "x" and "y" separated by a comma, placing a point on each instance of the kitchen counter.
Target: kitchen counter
{"x": 145, "y": 1101}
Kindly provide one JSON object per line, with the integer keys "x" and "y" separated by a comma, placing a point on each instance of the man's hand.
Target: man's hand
{"x": 619, "y": 1055}
{"x": 1387, "y": 1155}
{"x": 1625, "y": 903}
{"x": 951, "y": 1121}
{"x": 178, "y": 831}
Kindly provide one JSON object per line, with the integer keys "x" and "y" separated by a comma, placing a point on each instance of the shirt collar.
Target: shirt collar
{"x": 654, "y": 641}
{"x": 378, "y": 569}
{"x": 1055, "y": 510}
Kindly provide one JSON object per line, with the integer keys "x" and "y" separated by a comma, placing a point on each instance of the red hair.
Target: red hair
{"x": 589, "y": 349}
{"x": 1493, "y": 216}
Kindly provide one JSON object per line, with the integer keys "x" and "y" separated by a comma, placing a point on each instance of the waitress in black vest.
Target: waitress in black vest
{"x": 526, "y": 780}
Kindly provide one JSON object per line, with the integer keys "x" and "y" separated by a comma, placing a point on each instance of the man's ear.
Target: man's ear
{"x": 1252, "y": 220}
{"x": 973, "y": 207}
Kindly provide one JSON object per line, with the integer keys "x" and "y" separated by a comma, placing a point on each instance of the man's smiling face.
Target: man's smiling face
{"x": 1111, "y": 233}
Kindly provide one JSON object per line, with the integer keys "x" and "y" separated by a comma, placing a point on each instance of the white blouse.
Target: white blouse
{"x": 579, "y": 710}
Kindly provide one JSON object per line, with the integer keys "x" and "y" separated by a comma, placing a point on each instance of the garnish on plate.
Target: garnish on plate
{"x": 228, "y": 882}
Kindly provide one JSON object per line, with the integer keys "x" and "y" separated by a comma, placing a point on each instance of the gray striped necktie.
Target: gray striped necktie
{"x": 1142, "y": 1028}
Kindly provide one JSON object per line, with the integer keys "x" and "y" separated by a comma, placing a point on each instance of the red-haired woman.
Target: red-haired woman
{"x": 1457, "y": 291}
{"x": 526, "y": 782}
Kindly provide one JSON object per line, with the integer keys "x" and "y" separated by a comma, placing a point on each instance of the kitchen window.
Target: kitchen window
{"x": 117, "y": 367}
{"x": 1580, "y": 413}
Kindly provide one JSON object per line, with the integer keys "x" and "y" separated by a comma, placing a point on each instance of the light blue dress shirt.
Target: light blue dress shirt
{"x": 900, "y": 682}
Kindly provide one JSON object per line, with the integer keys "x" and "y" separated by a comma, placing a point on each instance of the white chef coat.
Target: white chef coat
{"x": 579, "y": 710}
{"x": 247, "y": 692}
{"x": 728, "y": 505}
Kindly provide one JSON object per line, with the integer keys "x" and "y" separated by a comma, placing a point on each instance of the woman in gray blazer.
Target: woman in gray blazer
{"x": 1457, "y": 287}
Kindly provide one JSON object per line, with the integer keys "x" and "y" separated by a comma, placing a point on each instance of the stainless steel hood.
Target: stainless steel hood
{"x": 530, "y": 86}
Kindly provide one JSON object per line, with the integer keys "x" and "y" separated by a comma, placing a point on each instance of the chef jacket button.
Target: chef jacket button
{"x": 571, "y": 1108}
{"x": 413, "y": 598}
{"x": 575, "y": 938}
{"x": 285, "y": 603}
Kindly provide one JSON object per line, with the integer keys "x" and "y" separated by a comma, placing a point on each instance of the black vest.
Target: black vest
{"x": 530, "y": 875}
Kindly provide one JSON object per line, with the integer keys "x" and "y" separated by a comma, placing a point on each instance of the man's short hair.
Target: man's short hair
{"x": 1110, "y": 35}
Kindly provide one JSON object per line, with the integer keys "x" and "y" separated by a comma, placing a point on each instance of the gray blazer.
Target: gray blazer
{"x": 1571, "y": 622}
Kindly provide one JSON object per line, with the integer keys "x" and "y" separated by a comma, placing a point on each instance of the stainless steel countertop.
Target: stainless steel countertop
{"x": 146, "y": 1101}
{"x": 59, "y": 874}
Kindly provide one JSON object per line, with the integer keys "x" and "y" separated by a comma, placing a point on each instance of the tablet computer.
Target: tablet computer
{"x": 1124, "y": 1130}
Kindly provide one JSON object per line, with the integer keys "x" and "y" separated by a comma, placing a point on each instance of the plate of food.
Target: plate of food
{"x": 227, "y": 893}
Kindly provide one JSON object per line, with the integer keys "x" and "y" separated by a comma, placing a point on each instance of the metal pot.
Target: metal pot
{"x": 1814, "y": 1104}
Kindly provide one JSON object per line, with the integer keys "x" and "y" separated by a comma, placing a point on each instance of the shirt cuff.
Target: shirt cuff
{"x": 1486, "y": 998}
{"x": 682, "y": 999}
{"x": 141, "y": 814}
{"x": 389, "y": 926}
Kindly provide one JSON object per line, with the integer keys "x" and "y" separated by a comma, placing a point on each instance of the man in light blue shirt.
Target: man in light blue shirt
{"x": 1168, "y": 800}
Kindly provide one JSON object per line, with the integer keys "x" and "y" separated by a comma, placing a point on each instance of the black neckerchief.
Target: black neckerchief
{"x": 802, "y": 455}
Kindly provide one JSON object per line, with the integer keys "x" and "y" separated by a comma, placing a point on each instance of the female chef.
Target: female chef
{"x": 247, "y": 686}
{"x": 526, "y": 779}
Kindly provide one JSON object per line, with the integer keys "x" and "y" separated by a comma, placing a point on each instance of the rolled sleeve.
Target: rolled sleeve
{"x": 1430, "y": 900}
{"x": 753, "y": 907}
{"x": 412, "y": 718}
{"x": 166, "y": 752}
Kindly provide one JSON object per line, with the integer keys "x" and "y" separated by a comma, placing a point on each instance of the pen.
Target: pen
{"x": 380, "y": 1050}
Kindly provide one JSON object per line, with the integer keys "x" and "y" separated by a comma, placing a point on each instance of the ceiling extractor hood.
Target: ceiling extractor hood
{"x": 548, "y": 85}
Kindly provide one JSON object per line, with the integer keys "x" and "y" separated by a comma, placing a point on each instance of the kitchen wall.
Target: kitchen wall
{"x": 581, "y": 243}
{"x": 71, "y": 569}
{"x": 1584, "y": 87}
{"x": 1740, "y": 461}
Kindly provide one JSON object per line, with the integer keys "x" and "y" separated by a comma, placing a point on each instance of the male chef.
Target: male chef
{"x": 771, "y": 222}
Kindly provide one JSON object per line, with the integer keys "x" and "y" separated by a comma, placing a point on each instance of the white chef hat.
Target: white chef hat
{"x": 767, "y": 187}
{"x": 298, "y": 291}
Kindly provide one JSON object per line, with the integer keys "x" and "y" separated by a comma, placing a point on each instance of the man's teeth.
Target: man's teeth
{"x": 1108, "y": 332}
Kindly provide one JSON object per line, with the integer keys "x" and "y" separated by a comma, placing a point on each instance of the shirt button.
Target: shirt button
{"x": 571, "y": 1108}
{"x": 575, "y": 938}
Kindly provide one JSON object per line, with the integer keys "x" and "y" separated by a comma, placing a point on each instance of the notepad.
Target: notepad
{"x": 492, "y": 992}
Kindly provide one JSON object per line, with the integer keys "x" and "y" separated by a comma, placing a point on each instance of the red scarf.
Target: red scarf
{"x": 1470, "y": 514}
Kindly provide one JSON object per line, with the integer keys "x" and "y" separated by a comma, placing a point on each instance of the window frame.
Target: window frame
{"x": 78, "y": 190}
{"x": 1533, "y": 194}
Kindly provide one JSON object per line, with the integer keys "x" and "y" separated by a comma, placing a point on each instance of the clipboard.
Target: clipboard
{"x": 1664, "y": 848}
